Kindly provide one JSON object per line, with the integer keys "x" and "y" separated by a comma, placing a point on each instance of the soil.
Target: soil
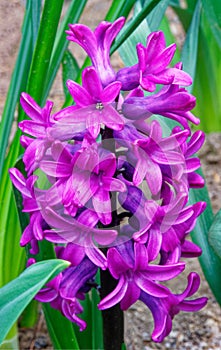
{"x": 200, "y": 330}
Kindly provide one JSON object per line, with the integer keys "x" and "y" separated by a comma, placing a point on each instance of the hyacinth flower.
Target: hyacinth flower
{"x": 152, "y": 67}
{"x": 97, "y": 45}
{"x": 93, "y": 107}
{"x": 164, "y": 309}
{"x": 81, "y": 235}
{"x": 117, "y": 188}
{"x": 64, "y": 292}
{"x": 88, "y": 174}
{"x": 171, "y": 102}
{"x": 34, "y": 231}
{"x": 37, "y": 128}
{"x": 136, "y": 275}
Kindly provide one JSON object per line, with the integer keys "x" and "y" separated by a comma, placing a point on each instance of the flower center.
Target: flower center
{"x": 99, "y": 106}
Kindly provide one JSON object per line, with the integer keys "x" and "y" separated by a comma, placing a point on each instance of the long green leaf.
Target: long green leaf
{"x": 209, "y": 261}
{"x": 213, "y": 14}
{"x": 207, "y": 81}
{"x": 133, "y": 24}
{"x": 72, "y": 16}
{"x": 190, "y": 48}
{"x": 215, "y": 234}
{"x": 85, "y": 338}
{"x": 16, "y": 295}
{"x": 97, "y": 324}
{"x": 60, "y": 329}
{"x": 119, "y": 8}
{"x": 35, "y": 18}
{"x": 155, "y": 17}
{"x": 70, "y": 70}
{"x": 19, "y": 76}
{"x": 170, "y": 39}
{"x": 43, "y": 49}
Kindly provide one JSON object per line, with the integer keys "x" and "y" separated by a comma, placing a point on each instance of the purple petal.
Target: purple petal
{"x": 140, "y": 257}
{"x": 33, "y": 128}
{"x": 70, "y": 310}
{"x": 92, "y": 84}
{"x": 116, "y": 263}
{"x": 163, "y": 272}
{"x": 110, "y": 92}
{"x": 84, "y": 37}
{"x": 115, "y": 296}
{"x": 75, "y": 277}
{"x": 96, "y": 256}
{"x": 149, "y": 286}
{"x": 31, "y": 108}
{"x": 112, "y": 184}
{"x": 111, "y": 118}
{"x": 74, "y": 253}
{"x": 193, "y": 305}
{"x": 102, "y": 206}
{"x": 19, "y": 181}
{"x": 131, "y": 296}
{"x": 195, "y": 143}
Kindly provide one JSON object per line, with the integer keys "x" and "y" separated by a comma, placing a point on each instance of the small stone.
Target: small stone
{"x": 146, "y": 336}
{"x": 41, "y": 342}
{"x": 180, "y": 338}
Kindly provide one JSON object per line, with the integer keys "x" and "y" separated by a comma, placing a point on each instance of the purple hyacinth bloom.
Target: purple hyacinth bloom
{"x": 193, "y": 163}
{"x": 169, "y": 224}
{"x": 136, "y": 275}
{"x": 164, "y": 309}
{"x": 64, "y": 290}
{"x": 36, "y": 127}
{"x": 152, "y": 67}
{"x": 97, "y": 45}
{"x": 86, "y": 175}
{"x": 171, "y": 102}
{"x": 154, "y": 151}
{"x": 34, "y": 231}
{"x": 115, "y": 188}
{"x": 81, "y": 233}
{"x": 94, "y": 107}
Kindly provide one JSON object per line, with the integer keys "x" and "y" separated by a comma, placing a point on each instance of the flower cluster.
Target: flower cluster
{"x": 115, "y": 195}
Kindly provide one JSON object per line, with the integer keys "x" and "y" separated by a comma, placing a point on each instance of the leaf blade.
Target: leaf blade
{"x": 16, "y": 295}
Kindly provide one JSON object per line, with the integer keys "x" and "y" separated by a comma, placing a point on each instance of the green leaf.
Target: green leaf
{"x": 29, "y": 316}
{"x": 215, "y": 234}
{"x": 155, "y": 17}
{"x": 43, "y": 49}
{"x": 119, "y": 8}
{"x": 97, "y": 320}
{"x": 35, "y": 18}
{"x": 72, "y": 16}
{"x": 85, "y": 338}
{"x": 213, "y": 14}
{"x": 70, "y": 70}
{"x": 207, "y": 80}
{"x": 190, "y": 48}
{"x": 16, "y": 295}
{"x": 60, "y": 329}
{"x": 127, "y": 50}
{"x": 133, "y": 24}
{"x": 19, "y": 77}
{"x": 209, "y": 261}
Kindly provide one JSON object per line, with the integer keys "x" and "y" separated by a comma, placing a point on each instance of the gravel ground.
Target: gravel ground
{"x": 201, "y": 330}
